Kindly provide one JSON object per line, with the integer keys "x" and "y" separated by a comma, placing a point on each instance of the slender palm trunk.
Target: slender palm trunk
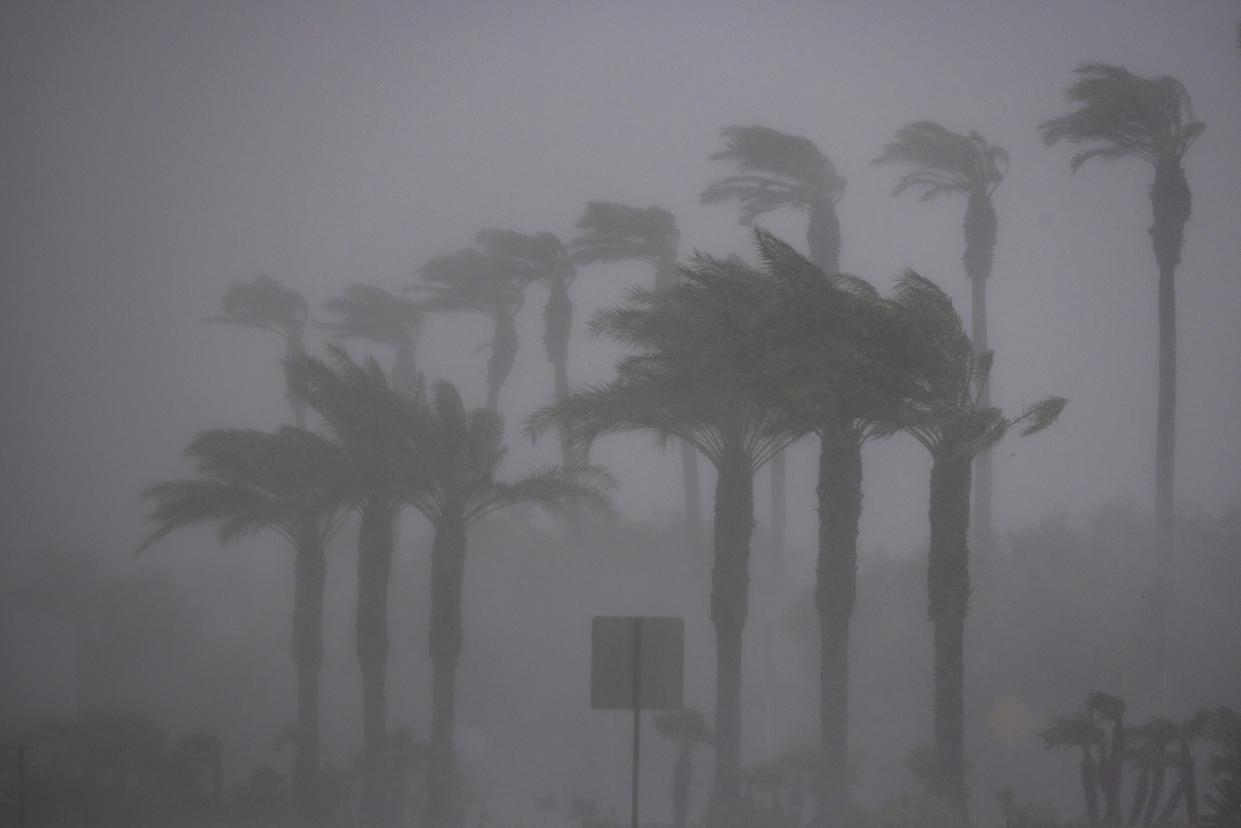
{"x": 1170, "y": 203}
{"x": 503, "y": 355}
{"x": 840, "y": 509}
{"x": 730, "y": 583}
{"x": 980, "y": 238}
{"x": 557, "y": 326}
{"x": 682, "y": 778}
{"x": 1156, "y": 790}
{"x": 445, "y": 642}
{"x": 948, "y": 589}
{"x": 310, "y": 570}
{"x": 375, "y": 543}
{"x": 691, "y": 488}
{"x": 1090, "y": 786}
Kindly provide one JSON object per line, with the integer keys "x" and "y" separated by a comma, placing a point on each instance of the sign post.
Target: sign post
{"x": 636, "y": 663}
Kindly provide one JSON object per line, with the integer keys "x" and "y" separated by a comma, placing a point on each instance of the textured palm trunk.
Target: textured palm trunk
{"x": 375, "y": 542}
{"x": 1090, "y": 786}
{"x": 840, "y": 508}
{"x": 445, "y": 643}
{"x": 1152, "y": 802}
{"x": 682, "y": 778}
{"x": 980, "y": 237}
{"x": 730, "y": 583}
{"x": 948, "y": 590}
{"x": 1170, "y": 203}
{"x": 310, "y": 570}
{"x": 503, "y": 355}
{"x": 557, "y": 325}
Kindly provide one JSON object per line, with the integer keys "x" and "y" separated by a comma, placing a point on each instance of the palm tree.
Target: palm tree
{"x": 476, "y": 279}
{"x": 288, "y": 481}
{"x": 950, "y": 163}
{"x": 371, "y": 423}
{"x": 697, "y": 377}
{"x": 685, "y": 728}
{"x": 267, "y": 304}
{"x": 1101, "y": 773}
{"x": 461, "y": 452}
{"x": 372, "y": 313}
{"x": 1120, "y": 115}
{"x": 782, "y": 170}
{"x": 945, "y": 416}
{"x": 834, "y": 352}
{"x": 612, "y": 232}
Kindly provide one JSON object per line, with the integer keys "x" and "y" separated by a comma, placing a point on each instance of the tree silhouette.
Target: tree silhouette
{"x": 377, "y": 315}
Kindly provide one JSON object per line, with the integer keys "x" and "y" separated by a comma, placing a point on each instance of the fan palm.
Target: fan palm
{"x": 782, "y": 170}
{"x": 476, "y": 279}
{"x": 460, "y": 453}
{"x": 372, "y": 313}
{"x": 1120, "y": 114}
{"x": 289, "y": 481}
{"x": 945, "y": 416}
{"x": 267, "y": 304}
{"x": 611, "y": 232}
{"x": 372, "y": 425}
{"x": 949, "y": 163}
{"x": 698, "y": 377}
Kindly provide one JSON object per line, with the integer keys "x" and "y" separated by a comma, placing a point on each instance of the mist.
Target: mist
{"x": 157, "y": 154}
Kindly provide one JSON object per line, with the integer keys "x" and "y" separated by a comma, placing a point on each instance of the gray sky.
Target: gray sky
{"x": 155, "y": 151}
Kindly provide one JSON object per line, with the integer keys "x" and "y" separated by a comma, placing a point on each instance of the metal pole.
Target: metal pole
{"x": 637, "y": 688}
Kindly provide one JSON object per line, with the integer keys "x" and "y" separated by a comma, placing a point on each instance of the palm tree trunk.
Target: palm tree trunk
{"x": 691, "y": 491}
{"x": 779, "y": 513}
{"x": 309, "y": 576}
{"x": 840, "y": 508}
{"x": 445, "y": 643}
{"x": 948, "y": 589}
{"x": 503, "y": 355}
{"x": 1170, "y": 203}
{"x": 980, "y": 237}
{"x": 1152, "y": 802}
{"x": 375, "y": 542}
{"x": 730, "y": 583}
{"x": 682, "y": 777}
{"x": 1090, "y": 786}
{"x": 557, "y": 325}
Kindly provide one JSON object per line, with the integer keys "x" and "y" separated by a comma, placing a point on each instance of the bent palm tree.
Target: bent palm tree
{"x": 267, "y": 304}
{"x": 945, "y": 416}
{"x": 697, "y": 377}
{"x": 372, "y": 313}
{"x": 474, "y": 279}
{"x": 782, "y": 170}
{"x": 371, "y": 424}
{"x": 290, "y": 482}
{"x": 611, "y": 232}
{"x": 461, "y": 453}
{"x": 1121, "y": 114}
{"x": 950, "y": 163}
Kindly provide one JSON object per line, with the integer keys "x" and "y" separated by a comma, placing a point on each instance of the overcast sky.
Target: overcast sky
{"x": 155, "y": 151}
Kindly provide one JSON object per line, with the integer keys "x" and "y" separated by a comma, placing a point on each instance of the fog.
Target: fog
{"x": 155, "y": 153}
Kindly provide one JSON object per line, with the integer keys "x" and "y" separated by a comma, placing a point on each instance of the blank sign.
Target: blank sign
{"x": 660, "y": 641}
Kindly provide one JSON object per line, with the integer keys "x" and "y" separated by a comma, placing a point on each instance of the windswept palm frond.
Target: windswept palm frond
{"x": 372, "y": 313}
{"x": 612, "y": 232}
{"x": 945, "y": 161}
{"x": 263, "y": 303}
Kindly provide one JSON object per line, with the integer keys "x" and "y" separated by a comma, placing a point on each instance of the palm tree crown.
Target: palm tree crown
{"x": 945, "y": 161}
{"x": 612, "y": 232}
{"x": 372, "y": 313}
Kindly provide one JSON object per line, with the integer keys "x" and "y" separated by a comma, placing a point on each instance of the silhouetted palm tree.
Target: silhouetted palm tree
{"x": 372, "y": 424}
{"x": 460, "y": 453}
{"x": 1120, "y": 114}
{"x": 291, "y": 482}
{"x": 782, "y": 170}
{"x": 611, "y": 232}
{"x": 377, "y": 315}
{"x": 697, "y": 377}
{"x": 267, "y": 304}
{"x": 944, "y": 415}
{"x": 950, "y": 163}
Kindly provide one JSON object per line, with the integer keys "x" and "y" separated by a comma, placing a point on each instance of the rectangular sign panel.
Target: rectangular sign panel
{"x": 658, "y": 641}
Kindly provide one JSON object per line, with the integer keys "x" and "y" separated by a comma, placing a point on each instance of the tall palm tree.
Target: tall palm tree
{"x": 836, "y": 363}
{"x": 944, "y": 415}
{"x": 949, "y": 163}
{"x": 696, "y": 377}
{"x": 1120, "y": 114}
{"x": 782, "y": 170}
{"x": 267, "y": 304}
{"x": 371, "y": 422}
{"x": 372, "y": 313}
{"x": 288, "y": 481}
{"x": 461, "y": 452}
{"x": 612, "y": 232}
{"x": 475, "y": 279}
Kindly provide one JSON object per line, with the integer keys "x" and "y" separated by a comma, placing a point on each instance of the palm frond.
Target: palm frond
{"x": 372, "y": 313}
